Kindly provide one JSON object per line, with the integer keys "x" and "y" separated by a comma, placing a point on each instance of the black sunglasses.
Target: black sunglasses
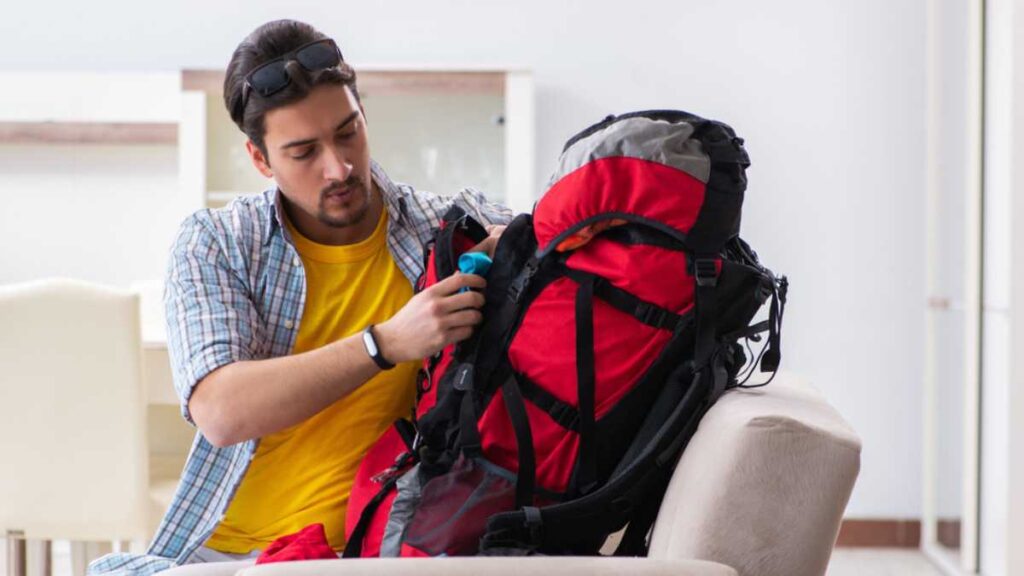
{"x": 271, "y": 77}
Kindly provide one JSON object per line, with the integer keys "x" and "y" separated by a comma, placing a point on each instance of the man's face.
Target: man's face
{"x": 317, "y": 151}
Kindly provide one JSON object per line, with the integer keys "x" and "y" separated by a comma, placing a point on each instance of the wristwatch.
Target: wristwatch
{"x": 373, "y": 350}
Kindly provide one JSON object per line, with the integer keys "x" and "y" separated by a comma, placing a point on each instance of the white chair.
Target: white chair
{"x": 72, "y": 414}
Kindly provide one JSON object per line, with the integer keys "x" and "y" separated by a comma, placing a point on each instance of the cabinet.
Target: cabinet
{"x": 439, "y": 130}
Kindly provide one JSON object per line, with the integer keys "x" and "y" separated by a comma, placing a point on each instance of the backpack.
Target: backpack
{"x": 616, "y": 314}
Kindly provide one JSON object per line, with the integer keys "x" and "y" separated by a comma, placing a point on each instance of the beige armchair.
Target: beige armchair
{"x": 72, "y": 417}
{"x": 760, "y": 491}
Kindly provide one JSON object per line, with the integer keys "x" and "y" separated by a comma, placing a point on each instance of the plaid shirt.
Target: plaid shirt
{"x": 235, "y": 290}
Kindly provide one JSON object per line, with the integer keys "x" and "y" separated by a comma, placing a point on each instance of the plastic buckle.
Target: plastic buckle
{"x": 565, "y": 416}
{"x": 705, "y": 270}
{"x": 519, "y": 284}
{"x": 533, "y": 522}
{"x": 649, "y": 314}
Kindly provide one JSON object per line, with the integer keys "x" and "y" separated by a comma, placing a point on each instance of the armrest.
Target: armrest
{"x": 494, "y": 566}
{"x": 763, "y": 483}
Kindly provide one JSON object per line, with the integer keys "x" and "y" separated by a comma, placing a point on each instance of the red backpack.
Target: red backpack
{"x": 616, "y": 315}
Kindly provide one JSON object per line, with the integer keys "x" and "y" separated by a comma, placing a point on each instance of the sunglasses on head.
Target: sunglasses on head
{"x": 271, "y": 77}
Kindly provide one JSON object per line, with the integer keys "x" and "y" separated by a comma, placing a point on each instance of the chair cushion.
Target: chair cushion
{"x": 763, "y": 483}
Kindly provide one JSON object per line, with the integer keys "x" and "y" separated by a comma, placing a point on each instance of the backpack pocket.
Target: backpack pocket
{"x": 454, "y": 508}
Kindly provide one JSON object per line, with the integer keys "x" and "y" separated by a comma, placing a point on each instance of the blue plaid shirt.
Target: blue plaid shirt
{"x": 235, "y": 290}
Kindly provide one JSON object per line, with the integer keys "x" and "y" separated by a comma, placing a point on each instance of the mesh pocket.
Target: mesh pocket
{"x": 454, "y": 508}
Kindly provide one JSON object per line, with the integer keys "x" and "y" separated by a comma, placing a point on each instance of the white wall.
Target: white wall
{"x": 90, "y": 212}
{"x": 828, "y": 94}
{"x": 1002, "y": 469}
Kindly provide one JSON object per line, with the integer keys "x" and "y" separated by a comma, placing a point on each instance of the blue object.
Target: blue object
{"x": 478, "y": 263}
{"x": 474, "y": 263}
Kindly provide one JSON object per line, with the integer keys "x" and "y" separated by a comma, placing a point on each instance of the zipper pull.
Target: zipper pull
{"x": 394, "y": 470}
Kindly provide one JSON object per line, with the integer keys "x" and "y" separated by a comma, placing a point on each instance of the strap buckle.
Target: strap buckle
{"x": 565, "y": 416}
{"x": 650, "y": 315}
{"x": 519, "y": 284}
{"x": 533, "y": 522}
{"x": 705, "y": 270}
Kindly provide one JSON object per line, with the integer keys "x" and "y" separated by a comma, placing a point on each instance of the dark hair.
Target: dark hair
{"x": 269, "y": 41}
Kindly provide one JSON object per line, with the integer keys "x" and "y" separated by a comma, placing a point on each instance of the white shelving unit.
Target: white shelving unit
{"x": 438, "y": 129}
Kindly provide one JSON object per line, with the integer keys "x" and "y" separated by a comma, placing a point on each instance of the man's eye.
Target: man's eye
{"x": 308, "y": 153}
{"x": 346, "y": 135}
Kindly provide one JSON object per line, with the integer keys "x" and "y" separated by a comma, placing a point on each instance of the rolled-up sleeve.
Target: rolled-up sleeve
{"x": 479, "y": 207}
{"x": 211, "y": 318}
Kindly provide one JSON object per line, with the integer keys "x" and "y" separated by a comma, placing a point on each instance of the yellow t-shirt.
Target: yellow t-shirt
{"x": 303, "y": 475}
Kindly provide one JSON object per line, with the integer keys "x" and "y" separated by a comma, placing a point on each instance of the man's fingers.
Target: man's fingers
{"x": 487, "y": 246}
{"x": 459, "y": 301}
{"x": 491, "y": 242}
{"x": 462, "y": 319}
{"x": 457, "y": 281}
{"x": 459, "y": 334}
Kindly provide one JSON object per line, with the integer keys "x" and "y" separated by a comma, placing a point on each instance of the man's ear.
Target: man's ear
{"x": 259, "y": 160}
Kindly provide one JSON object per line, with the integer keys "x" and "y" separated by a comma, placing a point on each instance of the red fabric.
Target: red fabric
{"x": 310, "y": 543}
{"x": 554, "y": 447}
{"x": 544, "y": 347}
{"x": 428, "y": 397}
{"x": 379, "y": 458}
{"x": 460, "y": 244}
{"x": 383, "y": 453}
{"x": 619, "y": 184}
{"x": 407, "y": 551}
{"x": 631, "y": 268}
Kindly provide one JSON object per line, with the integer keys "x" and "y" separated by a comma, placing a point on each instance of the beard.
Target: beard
{"x": 358, "y": 203}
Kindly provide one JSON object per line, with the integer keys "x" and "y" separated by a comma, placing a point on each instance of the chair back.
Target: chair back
{"x": 72, "y": 413}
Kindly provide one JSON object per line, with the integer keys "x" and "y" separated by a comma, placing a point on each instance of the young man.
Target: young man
{"x": 293, "y": 330}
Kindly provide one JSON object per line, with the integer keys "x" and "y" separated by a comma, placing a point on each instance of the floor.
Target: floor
{"x": 880, "y": 562}
{"x": 845, "y": 562}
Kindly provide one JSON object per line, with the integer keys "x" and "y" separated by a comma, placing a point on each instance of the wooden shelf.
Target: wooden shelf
{"x": 407, "y": 82}
{"x": 88, "y": 133}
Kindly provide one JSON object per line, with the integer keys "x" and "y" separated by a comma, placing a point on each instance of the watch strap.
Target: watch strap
{"x": 373, "y": 349}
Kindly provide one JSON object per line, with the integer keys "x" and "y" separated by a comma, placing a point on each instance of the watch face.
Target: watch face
{"x": 371, "y": 345}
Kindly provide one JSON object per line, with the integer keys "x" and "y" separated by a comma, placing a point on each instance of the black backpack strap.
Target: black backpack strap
{"x": 526, "y": 476}
{"x": 469, "y": 436}
{"x": 586, "y": 465}
{"x": 647, "y": 312}
{"x": 634, "y": 541}
{"x": 564, "y": 414}
{"x": 770, "y": 355}
{"x": 354, "y": 546}
{"x": 571, "y": 527}
{"x": 705, "y": 273}
{"x": 771, "y": 359}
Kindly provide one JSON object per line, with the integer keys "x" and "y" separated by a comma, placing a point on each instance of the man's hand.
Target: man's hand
{"x": 494, "y": 233}
{"x": 433, "y": 319}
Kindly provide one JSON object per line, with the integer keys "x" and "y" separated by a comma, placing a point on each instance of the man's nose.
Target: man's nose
{"x": 336, "y": 165}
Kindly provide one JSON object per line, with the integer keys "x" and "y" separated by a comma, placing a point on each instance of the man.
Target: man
{"x": 293, "y": 330}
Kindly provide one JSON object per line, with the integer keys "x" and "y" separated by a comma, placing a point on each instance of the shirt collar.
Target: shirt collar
{"x": 393, "y": 198}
